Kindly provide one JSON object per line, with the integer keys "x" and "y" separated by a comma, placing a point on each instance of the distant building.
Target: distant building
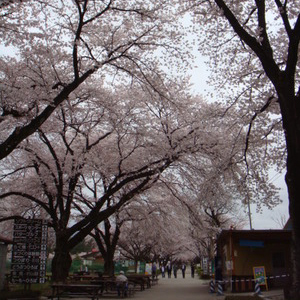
{"x": 240, "y": 251}
{"x": 91, "y": 258}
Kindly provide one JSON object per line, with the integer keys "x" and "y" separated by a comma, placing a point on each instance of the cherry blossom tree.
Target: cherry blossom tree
{"x": 182, "y": 228}
{"x": 128, "y": 231}
{"x": 213, "y": 191}
{"x": 204, "y": 205}
{"x": 53, "y": 48}
{"x": 135, "y": 245}
{"x": 88, "y": 76}
{"x": 107, "y": 235}
{"x": 106, "y": 239}
{"x": 157, "y": 231}
{"x": 93, "y": 156}
{"x": 254, "y": 46}
{"x": 206, "y": 212}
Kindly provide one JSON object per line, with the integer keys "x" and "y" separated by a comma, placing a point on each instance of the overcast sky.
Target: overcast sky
{"x": 270, "y": 219}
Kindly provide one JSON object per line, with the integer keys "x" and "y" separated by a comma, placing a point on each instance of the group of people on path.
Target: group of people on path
{"x": 168, "y": 268}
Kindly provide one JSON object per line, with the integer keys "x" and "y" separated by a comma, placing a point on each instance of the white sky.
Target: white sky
{"x": 270, "y": 219}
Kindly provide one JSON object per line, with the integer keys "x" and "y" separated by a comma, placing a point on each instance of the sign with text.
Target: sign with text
{"x": 260, "y": 275}
{"x": 29, "y": 251}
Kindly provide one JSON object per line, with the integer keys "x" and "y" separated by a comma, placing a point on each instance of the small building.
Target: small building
{"x": 4, "y": 242}
{"x": 90, "y": 257}
{"x": 240, "y": 251}
{"x": 92, "y": 261}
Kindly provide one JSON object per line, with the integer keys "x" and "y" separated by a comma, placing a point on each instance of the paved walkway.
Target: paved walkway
{"x": 186, "y": 289}
{"x": 191, "y": 289}
{"x": 178, "y": 288}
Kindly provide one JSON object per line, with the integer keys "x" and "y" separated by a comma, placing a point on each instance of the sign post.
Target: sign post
{"x": 29, "y": 251}
{"x": 260, "y": 276}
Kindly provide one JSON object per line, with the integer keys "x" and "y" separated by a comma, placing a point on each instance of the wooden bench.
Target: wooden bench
{"x": 88, "y": 290}
{"x": 126, "y": 289}
{"x": 108, "y": 287}
{"x": 140, "y": 280}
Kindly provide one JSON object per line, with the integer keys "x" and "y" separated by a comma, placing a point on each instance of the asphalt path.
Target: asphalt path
{"x": 187, "y": 288}
{"x": 179, "y": 288}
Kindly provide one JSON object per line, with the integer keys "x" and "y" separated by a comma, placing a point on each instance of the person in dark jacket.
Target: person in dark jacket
{"x": 183, "y": 267}
{"x": 154, "y": 269}
{"x": 175, "y": 270}
{"x": 162, "y": 271}
{"x": 192, "y": 269}
{"x": 169, "y": 270}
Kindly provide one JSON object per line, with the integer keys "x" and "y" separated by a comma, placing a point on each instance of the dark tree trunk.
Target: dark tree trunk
{"x": 293, "y": 183}
{"x": 135, "y": 266}
{"x": 109, "y": 267}
{"x": 61, "y": 262}
{"x": 107, "y": 242}
{"x": 290, "y": 110}
{"x": 283, "y": 79}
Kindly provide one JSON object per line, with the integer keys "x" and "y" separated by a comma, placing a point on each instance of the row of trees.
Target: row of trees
{"x": 161, "y": 229}
{"x": 93, "y": 158}
{"x": 70, "y": 59}
{"x": 95, "y": 110}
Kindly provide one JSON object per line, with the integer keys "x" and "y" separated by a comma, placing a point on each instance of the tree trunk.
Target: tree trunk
{"x": 293, "y": 184}
{"x": 290, "y": 109}
{"x": 109, "y": 267}
{"x": 61, "y": 262}
{"x": 135, "y": 266}
{"x": 107, "y": 243}
{"x": 295, "y": 256}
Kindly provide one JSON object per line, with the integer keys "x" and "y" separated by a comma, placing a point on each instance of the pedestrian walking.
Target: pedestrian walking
{"x": 163, "y": 273}
{"x": 154, "y": 268}
{"x": 183, "y": 267}
{"x": 192, "y": 270}
{"x": 169, "y": 269}
{"x": 175, "y": 270}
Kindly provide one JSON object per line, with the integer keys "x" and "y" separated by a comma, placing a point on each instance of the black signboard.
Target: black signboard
{"x": 29, "y": 251}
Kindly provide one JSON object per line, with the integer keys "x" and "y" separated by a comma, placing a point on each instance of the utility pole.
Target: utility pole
{"x": 249, "y": 213}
